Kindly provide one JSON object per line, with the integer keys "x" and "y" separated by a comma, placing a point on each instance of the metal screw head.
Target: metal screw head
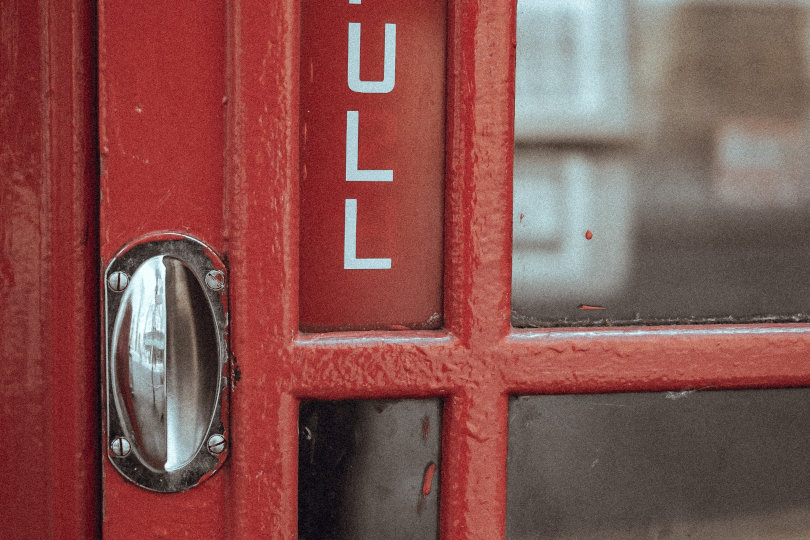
{"x": 216, "y": 444}
{"x": 215, "y": 279}
{"x": 120, "y": 447}
{"x": 118, "y": 281}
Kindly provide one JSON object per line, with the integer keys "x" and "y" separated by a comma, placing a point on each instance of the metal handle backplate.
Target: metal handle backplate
{"x": 167, "y": 368}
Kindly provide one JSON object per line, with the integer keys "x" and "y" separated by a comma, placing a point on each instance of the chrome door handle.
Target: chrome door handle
{"x": 167, "y": 362}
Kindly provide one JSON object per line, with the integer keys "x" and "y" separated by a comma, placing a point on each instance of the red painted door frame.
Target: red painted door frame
{"x": 236, "y": 133}
{"x": 280, "y": 367}
{"x": 48, "y": 270}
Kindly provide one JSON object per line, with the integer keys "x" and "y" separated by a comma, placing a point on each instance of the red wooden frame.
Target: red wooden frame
{"x": 48, "y": 271}
{"x": 479, "y": 360}
{"x": 161, "y": 143}
{"x": 250, "y": 214}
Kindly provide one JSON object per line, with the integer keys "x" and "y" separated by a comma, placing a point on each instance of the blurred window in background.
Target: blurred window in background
{"x": 661, "y": 162}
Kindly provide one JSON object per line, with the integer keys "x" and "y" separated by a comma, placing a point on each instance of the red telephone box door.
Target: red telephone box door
{"x": 214, "y": 123}
{"x": 203, "y": 132}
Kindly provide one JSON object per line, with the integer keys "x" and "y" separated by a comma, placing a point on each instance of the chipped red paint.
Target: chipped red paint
{"x": 48, "y": 271}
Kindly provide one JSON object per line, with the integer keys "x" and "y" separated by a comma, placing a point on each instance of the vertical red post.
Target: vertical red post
{"x": 162, "y": 108}
{"x": 48, "y": 271}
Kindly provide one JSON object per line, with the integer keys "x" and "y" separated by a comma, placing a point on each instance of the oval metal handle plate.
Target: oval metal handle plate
{"x": 167, "y": 362}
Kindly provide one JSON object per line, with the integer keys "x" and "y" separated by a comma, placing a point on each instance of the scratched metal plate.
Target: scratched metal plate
{"x": 705, "y": 464}
{"x": 369, "y": 469}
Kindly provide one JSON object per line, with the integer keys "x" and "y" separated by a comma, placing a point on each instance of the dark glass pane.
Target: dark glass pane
{"x": 369, "y": 469}
{"x": 661, "y": 163}
{"x": 709, "y": 464}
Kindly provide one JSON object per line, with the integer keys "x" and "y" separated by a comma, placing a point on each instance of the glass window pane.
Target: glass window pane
{"x": 661, "y": 163}
{"x": 369, "y": 469}
{"x": 711, "y": 464}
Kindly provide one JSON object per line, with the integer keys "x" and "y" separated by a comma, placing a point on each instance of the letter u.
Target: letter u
{"x": 389, "y": 62}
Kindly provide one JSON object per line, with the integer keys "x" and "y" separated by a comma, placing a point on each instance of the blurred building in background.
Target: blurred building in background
{"x": 676, "y": 132}
{"x": 661, "y": 173}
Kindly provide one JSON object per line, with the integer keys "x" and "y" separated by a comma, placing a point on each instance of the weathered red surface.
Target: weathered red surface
{"x": 278, "y": 368}
{"x": 478, "y": 360}
{"x": 161, "y": 135}
{"x": 161, "y": 108}
{"x": 474, "y": 363}
{"x": 401, "y": 131}
{"x": 48, "y": 271}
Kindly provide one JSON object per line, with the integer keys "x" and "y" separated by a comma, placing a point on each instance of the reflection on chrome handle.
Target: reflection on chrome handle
{"x": 139, "y": 377}
{"x": 166, "y": 363}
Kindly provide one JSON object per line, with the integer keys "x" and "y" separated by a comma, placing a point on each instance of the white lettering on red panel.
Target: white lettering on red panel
{"x": 353, "y": 172}
{"x": 389, "y": 55}
{"x": 350, "y": 260}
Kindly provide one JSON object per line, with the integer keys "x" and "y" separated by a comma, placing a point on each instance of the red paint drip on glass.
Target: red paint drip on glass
{"x": 428, "y": 481}
{"x": 586, "y": 307}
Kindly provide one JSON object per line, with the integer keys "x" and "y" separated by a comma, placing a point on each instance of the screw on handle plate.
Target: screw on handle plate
{"x": 215, "y": 280}
{"x": 120, "y": 447}
{"x": 216, "y": 444}
{"x": 118, "y": 281}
